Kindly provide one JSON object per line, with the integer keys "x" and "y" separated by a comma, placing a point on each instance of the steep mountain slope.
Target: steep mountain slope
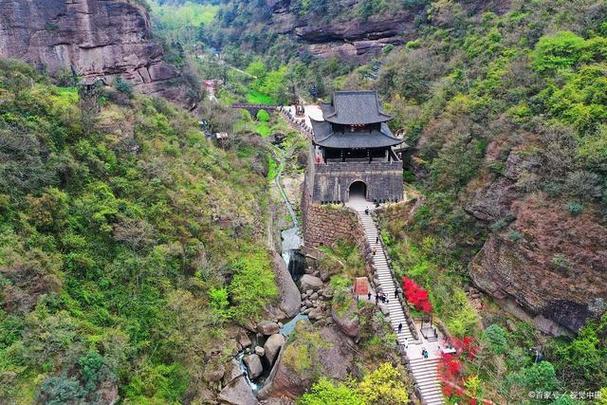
{"x": 351, "y": 30}
{"x": 128, "y": 245}
{"x": 510, "y": 132}
{"x": 91, "y": 39}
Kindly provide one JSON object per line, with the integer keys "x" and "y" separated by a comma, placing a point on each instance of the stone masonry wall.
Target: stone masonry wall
{"x": 383, "y": 180}
{"x": 323, "y": 225}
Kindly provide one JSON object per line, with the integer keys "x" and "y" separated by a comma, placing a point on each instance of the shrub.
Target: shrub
{"x": 252, "y": 286}
{"x": 497, "y": 338}
{"x": 560, "y": 262}
{"x": 325, "y": 392}
{"x": 263, "y": 116}
{"x": 385, "y": 385}
{"x": 123, "y": 86}
{"x": 163, "y": 383}
{"x": 515, "y": 236}
{"x": 575, "y": 208}
{"x": 538, "y": 377}
{"x": 219, "y": 304}
{"x": 562, "y": 50}
{"x": 61, "y": 390}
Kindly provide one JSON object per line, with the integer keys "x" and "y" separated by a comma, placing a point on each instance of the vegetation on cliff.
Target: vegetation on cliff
{"x": 503, "y": 105}
{"x": 126, "y": 241}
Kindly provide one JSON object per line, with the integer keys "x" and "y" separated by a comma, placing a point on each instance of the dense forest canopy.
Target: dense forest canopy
{"x": 132, "y": 247}
{"x": 126, "y": 242}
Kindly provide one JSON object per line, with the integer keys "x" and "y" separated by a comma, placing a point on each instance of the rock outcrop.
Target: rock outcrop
{"x": 549, "y": 262}
{"x": 290, "y": 297}
{"x": 347, "y": 320}
{"x": 272, "y": 347}
{"x": 541, "y": 263}
{"x": 333, "y": 358}
{"x": 92, "y": 39}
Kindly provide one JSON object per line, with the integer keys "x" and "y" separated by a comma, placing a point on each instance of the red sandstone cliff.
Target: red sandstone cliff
{"x": 91, "y": 38}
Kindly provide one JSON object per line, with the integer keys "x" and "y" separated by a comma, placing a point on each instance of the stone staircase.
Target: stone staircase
{"x": 424, "y": 370}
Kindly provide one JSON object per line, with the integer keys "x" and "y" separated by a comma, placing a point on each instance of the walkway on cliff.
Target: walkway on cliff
{"x": 424, "y": 370}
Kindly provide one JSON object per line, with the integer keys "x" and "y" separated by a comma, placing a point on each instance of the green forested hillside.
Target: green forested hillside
{"x": 484, "y": 97}
{"x": 126, "y": 241}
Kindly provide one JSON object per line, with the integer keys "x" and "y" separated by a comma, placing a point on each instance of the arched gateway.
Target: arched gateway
{"x": 353, "y": 142}
{"x": 358, "y": 189}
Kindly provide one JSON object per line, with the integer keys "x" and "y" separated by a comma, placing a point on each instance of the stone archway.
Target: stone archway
{"x": 358, "y": 189}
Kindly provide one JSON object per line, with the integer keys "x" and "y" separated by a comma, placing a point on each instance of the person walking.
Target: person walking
{"x": 369, "y": 296}
{"x": 396, "y": 293}
{"x": 376, "y": 240}
{"x": 367, "y": 211}
{"x": 376, "y": 299}
{"x": 400, "y": 327}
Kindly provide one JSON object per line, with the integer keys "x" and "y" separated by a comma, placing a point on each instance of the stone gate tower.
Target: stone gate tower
{"x": 352, "y": 152}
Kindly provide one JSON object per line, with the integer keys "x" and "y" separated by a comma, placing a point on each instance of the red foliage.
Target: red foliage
{"x": 416, "y": 295}
{"x": 466, "y": 345}
{"x": 450, "y": 368}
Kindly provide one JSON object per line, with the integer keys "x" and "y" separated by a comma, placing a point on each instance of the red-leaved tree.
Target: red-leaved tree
{"x": 416, "y": 295}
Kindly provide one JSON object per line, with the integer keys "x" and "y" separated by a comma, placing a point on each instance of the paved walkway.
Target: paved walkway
{"x": 424, "y": 371}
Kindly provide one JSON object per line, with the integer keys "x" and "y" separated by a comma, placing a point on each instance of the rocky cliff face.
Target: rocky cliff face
{"x": 353, "y": 38}
{"x": 95, "y": 39}
{"x": 350, "y": 36}
{"x": 552, "y": 264}
{"x": 547, "y": 262}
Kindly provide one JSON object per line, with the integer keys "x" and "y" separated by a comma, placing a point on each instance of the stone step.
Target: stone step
{"x": 424, "y": 370}
{"x": 434, "y": 397}
{"x": 420, "y": 374}
{"x": 435, "y": 391}
{"x": 428, "y": 382}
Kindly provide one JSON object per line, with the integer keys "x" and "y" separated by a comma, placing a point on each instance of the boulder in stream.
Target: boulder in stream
{"x": 268, "y": 328}
{"x": 290, "y": 297}
{"x": 273, "y": 346}
{"x": 238, "y": 392}
{"x": 253, "y": 363}
{"x": 309, "y": 282}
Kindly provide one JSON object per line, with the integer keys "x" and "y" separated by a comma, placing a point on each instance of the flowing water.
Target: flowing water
{"x": 295, "y": 262}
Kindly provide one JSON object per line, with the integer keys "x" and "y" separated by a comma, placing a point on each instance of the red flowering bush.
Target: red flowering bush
{"x": 416, "y": 295}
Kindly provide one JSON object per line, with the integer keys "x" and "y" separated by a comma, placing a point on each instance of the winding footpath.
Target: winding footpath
{"x": 424, "y": 370}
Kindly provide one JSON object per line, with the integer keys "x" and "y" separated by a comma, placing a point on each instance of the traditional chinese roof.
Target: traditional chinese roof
{"x": 354, "y": 108}
{"x": 324, "y": 136}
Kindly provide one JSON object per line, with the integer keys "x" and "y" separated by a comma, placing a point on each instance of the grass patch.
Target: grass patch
{"x": 256, "y": 97}
{"x": 263, "y": 129}
{"x": 189, "y": 14}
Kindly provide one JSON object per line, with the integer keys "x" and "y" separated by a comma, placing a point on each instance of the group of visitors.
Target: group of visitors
{"x": 378, "y": 297}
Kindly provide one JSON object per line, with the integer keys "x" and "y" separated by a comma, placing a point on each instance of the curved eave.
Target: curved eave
{"x": 335, "y": 120}
{"x": 357, "y": 141}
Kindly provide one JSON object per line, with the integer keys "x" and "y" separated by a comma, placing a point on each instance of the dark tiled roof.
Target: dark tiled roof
{"x": 324, "y": 136}
{"x": 354, "y": 108}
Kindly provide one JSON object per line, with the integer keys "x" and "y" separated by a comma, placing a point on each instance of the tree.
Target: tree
{"x": 325, "y": 392}
{"x": 385, "y": 385}
{"x": 497, "y": 338}
{"x": 559, "y": 51}
{"x": 263, "y": 116}
{"x": 416, "y": 295}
